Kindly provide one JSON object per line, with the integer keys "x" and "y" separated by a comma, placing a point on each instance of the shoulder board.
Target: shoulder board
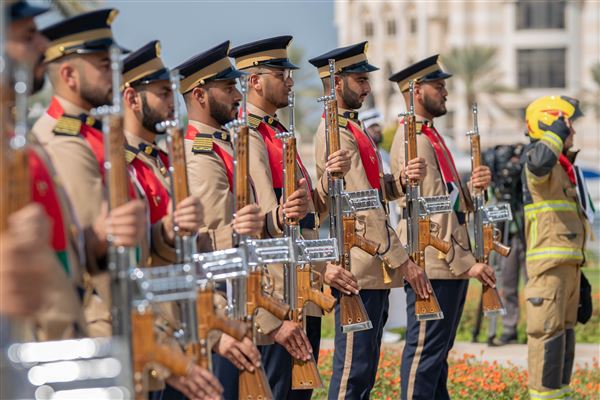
{"x": 342, "y": 121}
{"x": 203, "y": 143}
{"x": 419, "y": 127}
{"x": 254, "y": 121}
{"x": 67, "y": 126}
{"x": 130, "y": 153}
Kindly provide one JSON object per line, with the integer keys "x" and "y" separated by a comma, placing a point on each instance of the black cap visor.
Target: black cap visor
{"x": 361, "y": 67}
{"x": 23, "y": 10}
{"x": 435, "y": 76}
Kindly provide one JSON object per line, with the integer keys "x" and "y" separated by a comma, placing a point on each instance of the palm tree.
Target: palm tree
{"x": 477, "y": 68}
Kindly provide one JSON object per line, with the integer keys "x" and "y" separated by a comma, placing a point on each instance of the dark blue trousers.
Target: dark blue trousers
{"x": 356, "y": 354}
{"x": 278, "y": 364}
{"x": 424, "y": 369}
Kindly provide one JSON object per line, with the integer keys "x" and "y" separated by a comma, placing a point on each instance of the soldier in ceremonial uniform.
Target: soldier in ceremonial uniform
{"x": 269, "y": 83}
{"x": 357, "y": 353}
{"x": 148, "y": 100}
{"x": 424, "y": 370}
{"x": 80, "y": 75}
{"x": 60, "y": 313}
{"x": 212, "y": 99}
{"x": 558, "y": 211}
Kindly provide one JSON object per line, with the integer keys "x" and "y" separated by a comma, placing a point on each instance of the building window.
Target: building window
{"x": 391, "y": 27}
{"x": 368, "y": 29}
{"x": 413, "y": 25}
{"x": 541, "y": 68}
{"x": 541, "y": 14}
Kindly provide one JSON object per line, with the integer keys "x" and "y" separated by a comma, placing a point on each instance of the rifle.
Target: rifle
{"x": 421, "y": 231}
{"x": 343, "y": 207}
{"x": 487, "y": 236}
{"x": 298, "y": 285}
{"x": 248, "y": 294}
{"x": 198, "y": 314}
{"x": 130, "y": 325}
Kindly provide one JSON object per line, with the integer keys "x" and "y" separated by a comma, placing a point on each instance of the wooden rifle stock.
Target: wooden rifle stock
{"x": 15, "y": 176}
{"x": 179, "y": 171}
{"x": 425, "y": 308}
{"x": 430, "y": 305}
{"x": 209, "y": 320}
{"x": 118, "y": 179}
{"x": 333, "y": 130}
{"x": 146, "y": 350}
{"x": 242, "y": 187}
{"x": 490, "y": 301}
{"x": 352, "y": 309}
{"x": 257, "y": 298}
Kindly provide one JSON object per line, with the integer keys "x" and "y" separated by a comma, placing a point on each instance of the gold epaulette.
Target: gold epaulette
{"x": 342, "y": 121}
{"x": 203, "y": 143}
{"x": 254, "y": 121}
{"x": 67, "y": 126}
{"x": 130, "y": 153}
{"x": 418, "y": 126}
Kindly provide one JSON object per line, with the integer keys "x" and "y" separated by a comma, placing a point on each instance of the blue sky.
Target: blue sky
{"x": 186, "y": 28}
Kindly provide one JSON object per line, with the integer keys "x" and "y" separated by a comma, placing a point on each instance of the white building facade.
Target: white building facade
{"x": 543, "y": 47}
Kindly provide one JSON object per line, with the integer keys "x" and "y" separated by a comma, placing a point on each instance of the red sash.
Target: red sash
{"x": 368, "y": 154}
{"x": 223, "y": 155}
{"x": 443, "y": 155}
{"x": 158, "y": 196}
{"x": 568, "y": 167}
{"x": 93, "y": 137}
{"x": 44, "y": 193}
{"x": 275, "y": 152}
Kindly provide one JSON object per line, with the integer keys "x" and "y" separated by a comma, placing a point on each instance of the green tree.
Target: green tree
{"x": 477, "y": 68}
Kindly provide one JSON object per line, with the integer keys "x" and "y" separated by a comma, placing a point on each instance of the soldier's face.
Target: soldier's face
{"x": 94, "y": 78}
{"x": 223, "y": 100}
{"x": 277, "y": 84}
{"x": 354, "y": 89}
{"x": 25, "y": 44}
{"x": 432, "y": 97}
{"x": 157, "y": 104}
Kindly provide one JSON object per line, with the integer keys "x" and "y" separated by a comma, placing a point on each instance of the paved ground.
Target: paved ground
{"x": 515, "y": 353}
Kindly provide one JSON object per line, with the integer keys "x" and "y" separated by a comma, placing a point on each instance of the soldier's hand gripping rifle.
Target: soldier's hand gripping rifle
{"x": 487, "y": 236}
{"x": 298, "y": 282}
{"x": 421, "y": 231}
{"x": 343, "y": 207}
{"x": 133, "y": 325}
{"x": 198, "y": 313}
{"x": 248, "y": 294}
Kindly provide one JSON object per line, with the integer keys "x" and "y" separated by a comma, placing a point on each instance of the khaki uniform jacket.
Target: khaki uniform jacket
{"x": 460, "y": 258}
{"x": 260, "y": 171}
{"x": 208, "y": 181}
{"x": 61, "y": 316}
{"x": 77, "y": 167}
{"x": 371, "y": 224}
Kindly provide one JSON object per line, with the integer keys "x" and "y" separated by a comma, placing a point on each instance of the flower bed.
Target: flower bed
{"x": 468, "y": 378}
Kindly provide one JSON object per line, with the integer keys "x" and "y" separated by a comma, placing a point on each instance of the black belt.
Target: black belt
{"x": 461, "y": 216}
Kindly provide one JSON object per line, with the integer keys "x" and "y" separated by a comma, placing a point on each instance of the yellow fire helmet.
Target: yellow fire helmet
{"x": 541, "y": 113}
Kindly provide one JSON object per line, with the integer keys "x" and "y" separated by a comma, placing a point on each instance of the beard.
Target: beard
{"x": 433, "y": 108}
{"x": 150, "y": 117}
{"x": 93, "y": 95}
{"x": 352, "y": 99}
{"x": 39, "y": 76}
{"x": 221, "y": 112}
{"x": 272, "y": 98}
